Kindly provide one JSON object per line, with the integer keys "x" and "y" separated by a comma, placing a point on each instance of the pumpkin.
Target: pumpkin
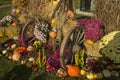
{"x": 13, "y": 46}
{"x": 99, "y": 75}
{"x": 90, "y": 42}
{"x": 82, "y": 72}
{"x": 52, "y": 34}
{"x": 20, "y": 49}
{"x": 14, "y": 24}
{"x": 16, "y": 57}
{"x": 53, "y": 21}
{"x": 22, "y": 62}
{"x": 70, "y": 14}
{"x": 106, "y": 73}
{"x": 90, "y": 76}
{"x": 29, "y": 48}
{"x": 4, "y": 51}
{"x": 109, "y": 67}
{"x": 73, "y": 71}
{"x": 17, "y": 11}
{"x": 115, "y": 73}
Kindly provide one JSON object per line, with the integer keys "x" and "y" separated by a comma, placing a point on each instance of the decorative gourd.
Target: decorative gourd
{"x": 73, "y": 71}
{"x": 20, "y": 49}
{"x": 52, "y": 34}
{"x": 99, "y": 76}
{"x": 29, "y": 48}
{"x": 14, "y": 24}
{"x": 115, "y": 73}
{"x": 90, "y": 42}
{"x": 82, "y": 72}
{"x": 70, "y": 14}
{"x": 17, "y": 11}
{"x": 106, "y": 73}
{"x": 61, "y": 73}
{"x": 53, "y": 21}
{"x": 16, "y": 57}
{"x": 90, "y": 76}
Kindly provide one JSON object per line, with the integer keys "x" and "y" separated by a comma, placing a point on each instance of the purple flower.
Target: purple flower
{"x": 92, "y": 27}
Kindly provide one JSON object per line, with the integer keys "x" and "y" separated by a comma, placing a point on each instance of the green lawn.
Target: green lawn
{"x": 4, "y": 11}
{"x": 10, "y": 70}
{"x": 5, "y": 2}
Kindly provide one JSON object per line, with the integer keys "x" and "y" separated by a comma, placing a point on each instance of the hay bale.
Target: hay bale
{"x": 109, "y": 12}
{"x": 93, "y": 50}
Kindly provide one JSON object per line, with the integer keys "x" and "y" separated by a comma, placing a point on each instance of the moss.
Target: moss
{"x": 112, "y": 49}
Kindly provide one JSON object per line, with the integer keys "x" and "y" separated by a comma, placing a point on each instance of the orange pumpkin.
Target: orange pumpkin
{"x": 70, "y": 14}
{"x": 73, "y": 71}
{"x": 14, "y": 24}
{"x": 52, "y": 34}
{"x": 16, "y": 57}
{"x": 90, "y": 42}
{"x": 20, "y": 50}
{"x": 53, "y": 21}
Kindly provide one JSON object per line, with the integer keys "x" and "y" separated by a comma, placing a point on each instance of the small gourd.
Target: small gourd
{"x": 115, "y": 73}
{"x": 99, "y": 75}
{"x": 106, "y": 73}
{"x": 61, "y": 73}
{"x": 90, "y": 42}
{"x": 17, "y": 11}
{"x": 16, "y": 57}
{"x": 21, "y": 50}
{"x": 70, "y": 14}
{"x": 14, "y": 24}
{"x": 53, "y": 21}
{"x": 90, "y": 76}
{"x": 82, "y": 72}
{"x": 4, "y": 51}
{"x": 52, "y": 34}
{"x": 73, "y": 71}
{"x": 29, "y": 48}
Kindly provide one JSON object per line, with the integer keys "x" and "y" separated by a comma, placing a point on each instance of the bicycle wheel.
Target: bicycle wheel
{"x": 27, "y": 35}
{"x": 72, "y": 41}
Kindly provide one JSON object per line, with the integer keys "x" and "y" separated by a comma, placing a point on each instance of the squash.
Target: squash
{"x": 73, "y": 71}
{"x": 70, "y": 14}
{"x": 16, "y": 57}
{"x": 115, "y": 73}
{"x": 90, "y": 42}
{"x": 99, "y": 76}
{"x": 61, "y": 73}
{"x": 17, "y": 11}
{"x": 106, "y": 73}
{"x": 14, "y": 24}
{"x": 82, "y": 72}
{"x": 90, "y": 76}
{"x": 20, "y": 49}
{"x": 53, "y": 21}
{"x": 52, "y": 34}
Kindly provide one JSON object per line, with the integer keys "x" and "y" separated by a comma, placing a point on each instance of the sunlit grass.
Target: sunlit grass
{"x": 4, "y": 11}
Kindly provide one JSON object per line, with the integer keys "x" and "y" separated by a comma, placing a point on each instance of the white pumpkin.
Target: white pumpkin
{"x": 106, "y": 73}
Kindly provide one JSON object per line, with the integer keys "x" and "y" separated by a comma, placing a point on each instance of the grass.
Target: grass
{"x": 5, "y": 2}
{"x": 4, "y": 11}
{"x": 10, "y": 70}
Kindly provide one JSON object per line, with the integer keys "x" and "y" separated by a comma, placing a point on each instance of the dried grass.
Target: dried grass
{"x": 109, "y": 12}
